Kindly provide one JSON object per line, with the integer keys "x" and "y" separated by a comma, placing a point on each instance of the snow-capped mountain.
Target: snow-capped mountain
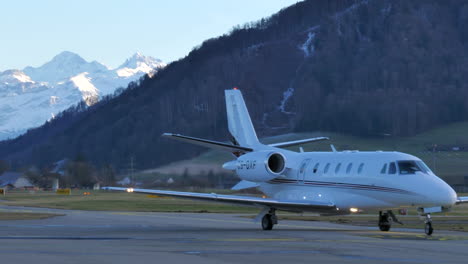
{"x": 32, "y": 96}
{"x": 63, "y": 66}
{"x": 138, "y": 64}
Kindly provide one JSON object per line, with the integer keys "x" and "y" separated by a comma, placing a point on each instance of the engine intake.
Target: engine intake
{"x": 260, "y": 166}
{"x": 276, "y": 163}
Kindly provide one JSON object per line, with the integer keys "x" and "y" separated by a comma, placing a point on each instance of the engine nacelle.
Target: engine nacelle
{"x": 260, "y": 166}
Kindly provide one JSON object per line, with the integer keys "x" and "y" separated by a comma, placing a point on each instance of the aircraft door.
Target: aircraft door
{"x": 302, "y": 170}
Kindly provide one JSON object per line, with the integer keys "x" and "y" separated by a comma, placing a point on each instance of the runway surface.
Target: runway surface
{"x": 124, "y": 237}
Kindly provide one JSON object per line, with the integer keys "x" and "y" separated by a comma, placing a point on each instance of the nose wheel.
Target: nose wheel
{"x": 428, "y": 225}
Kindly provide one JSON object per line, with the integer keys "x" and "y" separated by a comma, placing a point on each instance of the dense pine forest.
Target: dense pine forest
{"x": 367, "y": 68}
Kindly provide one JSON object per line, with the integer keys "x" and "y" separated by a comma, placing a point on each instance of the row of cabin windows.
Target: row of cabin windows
{"x": 338, "y": 167}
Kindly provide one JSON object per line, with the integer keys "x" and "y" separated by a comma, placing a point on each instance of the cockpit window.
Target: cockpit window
{"x": 392, "y": 168}
{"x": 423, "y": 166}
{"x": 384, "y": 169}
{"x": 409, "y": 167}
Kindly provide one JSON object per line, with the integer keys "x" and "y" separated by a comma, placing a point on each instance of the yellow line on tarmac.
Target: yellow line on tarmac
{"x": 125, "y": 213}
{"x": 257, "y": 239}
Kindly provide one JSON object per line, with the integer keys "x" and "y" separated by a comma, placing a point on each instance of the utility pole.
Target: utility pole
{"x": 131, "y": 170}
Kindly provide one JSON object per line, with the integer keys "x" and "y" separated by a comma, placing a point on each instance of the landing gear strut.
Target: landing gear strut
{"x": 269, "y": 220}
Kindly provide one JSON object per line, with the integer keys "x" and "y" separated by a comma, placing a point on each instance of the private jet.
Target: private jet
{"x": 328, "y": 183}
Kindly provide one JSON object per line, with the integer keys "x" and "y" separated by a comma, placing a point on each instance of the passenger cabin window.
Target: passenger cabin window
{"x": 409, "y": 167}
{"x": 348, "y": 169}
{"x": 359, "y": 170}
{"x": 392, "y": 168}
{"x": 316, "y": 167}
{"x": 326, "y": 168}
{"x": 338, "y": 166}
{"x": 384, "y": 169}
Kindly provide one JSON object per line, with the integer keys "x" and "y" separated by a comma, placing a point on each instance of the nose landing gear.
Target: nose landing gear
{"x": 428, "y": 225}
{"x": 425, "y": 215}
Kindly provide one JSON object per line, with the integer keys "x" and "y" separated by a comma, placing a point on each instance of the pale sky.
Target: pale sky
{"x": 109, "y": 31}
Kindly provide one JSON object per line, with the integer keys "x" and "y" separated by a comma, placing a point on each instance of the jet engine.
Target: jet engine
{"x": 260, "y": 166}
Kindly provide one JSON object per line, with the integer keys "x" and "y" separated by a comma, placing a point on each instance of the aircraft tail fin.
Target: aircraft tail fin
{"x": 239, "y": 123}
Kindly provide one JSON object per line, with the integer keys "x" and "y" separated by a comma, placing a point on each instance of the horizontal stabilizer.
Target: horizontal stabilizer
{"x": 297, "y": 142}
{"x": 207, "y": 143}
{"x": 244, "y": 185}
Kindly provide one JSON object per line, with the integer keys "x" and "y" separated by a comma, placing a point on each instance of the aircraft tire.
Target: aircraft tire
{"x": 267, "y": 222}
{"x": 384, "y": 222}
{"x": 428, "y": 229}
{"x": 384, "y": 227}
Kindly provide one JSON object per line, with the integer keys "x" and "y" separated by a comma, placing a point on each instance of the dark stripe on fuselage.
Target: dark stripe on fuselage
{"x": 339, "y": 185}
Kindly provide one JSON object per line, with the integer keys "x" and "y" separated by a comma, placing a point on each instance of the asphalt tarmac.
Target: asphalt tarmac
{"x": 126, "y": 237}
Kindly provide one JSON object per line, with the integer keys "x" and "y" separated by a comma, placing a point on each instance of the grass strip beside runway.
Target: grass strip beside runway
{"x": 117, "y": 201}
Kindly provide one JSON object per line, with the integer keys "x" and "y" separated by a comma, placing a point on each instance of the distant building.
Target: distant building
{"x": 14, "y": 180}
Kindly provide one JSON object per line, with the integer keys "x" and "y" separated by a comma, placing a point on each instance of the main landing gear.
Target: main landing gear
{"x": 384, "y": 222}
{"x": 269, "y": 219}
{"x": 386, "y": 219}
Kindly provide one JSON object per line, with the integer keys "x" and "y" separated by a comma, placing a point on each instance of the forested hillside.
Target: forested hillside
{"x": 367, "y": 68}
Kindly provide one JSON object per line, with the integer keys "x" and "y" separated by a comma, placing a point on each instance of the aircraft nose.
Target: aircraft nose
{"x": 445, "y": 196}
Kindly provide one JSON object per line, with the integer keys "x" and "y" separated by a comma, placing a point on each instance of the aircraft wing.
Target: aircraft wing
{"x": 293, "y": 206}
{"x": 207, "y": 143}
{"x": 462, "y": 199}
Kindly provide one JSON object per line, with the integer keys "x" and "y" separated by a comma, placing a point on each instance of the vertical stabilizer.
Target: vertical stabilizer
{"x": 239, "y": 123}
